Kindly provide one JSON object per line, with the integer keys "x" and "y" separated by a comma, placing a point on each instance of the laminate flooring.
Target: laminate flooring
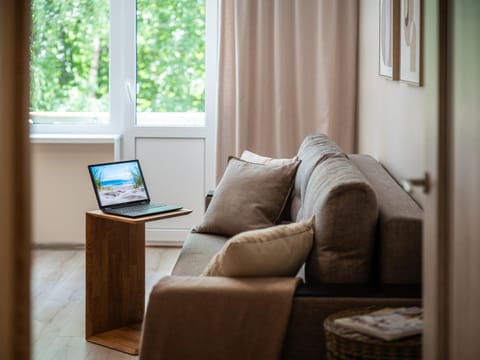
{"x": 58, "y": 302}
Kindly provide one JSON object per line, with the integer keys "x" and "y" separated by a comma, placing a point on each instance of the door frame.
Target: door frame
{"x": 15, "y": 337}
{"x": 436, "y": 244}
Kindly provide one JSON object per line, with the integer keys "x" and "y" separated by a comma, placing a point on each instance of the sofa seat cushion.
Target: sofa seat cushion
{"x": 275, "y": 251}
{"x": 197, "y": 251}
{"x": 249, "y": 196}
{"x": 345, "y": 209}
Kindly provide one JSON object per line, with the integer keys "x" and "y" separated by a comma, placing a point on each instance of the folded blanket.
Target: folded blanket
{"x": 217, "y": 318}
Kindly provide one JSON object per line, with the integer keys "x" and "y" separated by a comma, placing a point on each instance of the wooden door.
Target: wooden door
{"x": 435, "y": 243}
{"x": 14, "y": 181}
{"x": 464, "y": 172}
{"x": 452, "y": 209}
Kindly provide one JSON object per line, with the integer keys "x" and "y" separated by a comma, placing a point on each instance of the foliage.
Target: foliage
{"x": 70, "y": 54}
{"x": 137, "y": 179}
{"x": 97, "y": 177}
{"x": 170, "y": 55}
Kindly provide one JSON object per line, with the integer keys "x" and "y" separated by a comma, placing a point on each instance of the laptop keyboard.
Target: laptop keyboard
{"x": 138, "y": 208}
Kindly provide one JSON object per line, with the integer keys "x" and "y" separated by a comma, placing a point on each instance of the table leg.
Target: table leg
{"x": 115, "y": 282}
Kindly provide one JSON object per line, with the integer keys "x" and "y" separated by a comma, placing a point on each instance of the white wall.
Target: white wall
{"x": 62, "y": 190}
{"x": 390, "y": 113}
{"x": 175, "y": 170}
{"x": 176, "y": 173}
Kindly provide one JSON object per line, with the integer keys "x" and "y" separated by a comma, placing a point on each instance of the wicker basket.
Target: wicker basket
{"x": 342, "y": 343}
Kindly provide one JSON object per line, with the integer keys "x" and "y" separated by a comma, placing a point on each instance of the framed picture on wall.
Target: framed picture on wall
{"x": 411, "y": 42}
{"x": 389, "y": 39}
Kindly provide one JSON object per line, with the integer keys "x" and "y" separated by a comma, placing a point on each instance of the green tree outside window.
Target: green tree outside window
{"x": 171, "y": 55}
{"x": 70, "y": 55}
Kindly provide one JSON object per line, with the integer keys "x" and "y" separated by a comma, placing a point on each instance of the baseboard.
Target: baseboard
{"x": 173, "y": 244}
{"x": 59, "y": 246}
{"x": 80, "y": 246}
{"x": 153, "y": 238}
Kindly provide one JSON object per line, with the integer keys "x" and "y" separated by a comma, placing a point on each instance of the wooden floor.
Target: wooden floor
{"x": 58, "y": 300}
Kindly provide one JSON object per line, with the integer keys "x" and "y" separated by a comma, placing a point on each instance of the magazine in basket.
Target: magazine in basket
{"x": 387, "y": 324}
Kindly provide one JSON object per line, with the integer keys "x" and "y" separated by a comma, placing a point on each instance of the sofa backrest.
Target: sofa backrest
{"x": 330, "y": 188}
{"x": 314, "y": 149}
{"x": 367, "y": 228}
{"x": 399, "y": 228}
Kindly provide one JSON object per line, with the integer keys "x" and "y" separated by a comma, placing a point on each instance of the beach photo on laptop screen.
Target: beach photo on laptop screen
{"x": 118, "y": 183}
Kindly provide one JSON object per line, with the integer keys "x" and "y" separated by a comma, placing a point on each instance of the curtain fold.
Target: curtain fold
{"x": 287, "y": 68}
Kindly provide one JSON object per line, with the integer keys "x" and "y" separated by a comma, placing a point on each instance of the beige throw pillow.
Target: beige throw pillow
{"x": 249, "y": 196}
{"x": 275, "y": 251}
{"x": 259, "y": 159}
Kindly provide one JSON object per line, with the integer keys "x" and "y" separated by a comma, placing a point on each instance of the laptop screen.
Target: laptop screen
{"x": 118, "y": 183}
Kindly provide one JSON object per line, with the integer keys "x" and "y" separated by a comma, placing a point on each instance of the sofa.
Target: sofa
{"x": 367, "y": 245}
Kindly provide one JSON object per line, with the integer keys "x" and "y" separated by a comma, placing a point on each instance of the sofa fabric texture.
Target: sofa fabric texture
{"x": 399, "y": 227}
{"x": 313, "y": 150}
{"x": 249, "y": 196}
{"x": 275, "y": 251}
{"x": 217, "y": 318}
{"x": 197, "y": 250}
{"x": 259, "y": 159}
{"x": 366, "y": 249}
{"x": 345, "y": 209}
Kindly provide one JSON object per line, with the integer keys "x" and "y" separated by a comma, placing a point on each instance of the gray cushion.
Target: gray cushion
{"x": 249, "y": 196}
{"x": 399, "y": 233}
{"x": 345, "y": 210}
{"x": 198, "y": 249}
{"x": 314, "y": 149}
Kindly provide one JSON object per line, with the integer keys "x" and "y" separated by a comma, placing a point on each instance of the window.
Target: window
{"x": 170, "y": 62}
{"x": 74, "y": 63}
{"x": 69, "y": 62}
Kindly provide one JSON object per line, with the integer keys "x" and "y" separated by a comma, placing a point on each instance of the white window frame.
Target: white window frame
{"x": 73, "y": 132}
{"x": 122, "y": 80}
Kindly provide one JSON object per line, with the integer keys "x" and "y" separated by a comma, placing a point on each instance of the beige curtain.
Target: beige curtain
{"x": 287, "y": 68}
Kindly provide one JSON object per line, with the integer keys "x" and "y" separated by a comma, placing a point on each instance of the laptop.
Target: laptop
{"x": 121, "y": 190}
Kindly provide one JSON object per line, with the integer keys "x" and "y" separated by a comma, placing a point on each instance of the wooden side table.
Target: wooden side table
{"x": 115, "y": 278}
{"x": 342, "y": 343}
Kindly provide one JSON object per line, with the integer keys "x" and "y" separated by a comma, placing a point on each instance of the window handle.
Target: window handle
{"x": 128, "y": 89}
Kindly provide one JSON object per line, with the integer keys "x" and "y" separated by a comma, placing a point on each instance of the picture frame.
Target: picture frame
{"x": 389, "y": 39}
{"x": 411, "y": 42}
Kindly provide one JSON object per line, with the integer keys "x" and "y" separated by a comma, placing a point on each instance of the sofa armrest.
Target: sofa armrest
{"x": 190, "y": 317}
{"x": 208, "y": 198}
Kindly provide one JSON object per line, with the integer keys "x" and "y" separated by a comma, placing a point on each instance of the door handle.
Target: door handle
{"x": 409, "y": 184}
